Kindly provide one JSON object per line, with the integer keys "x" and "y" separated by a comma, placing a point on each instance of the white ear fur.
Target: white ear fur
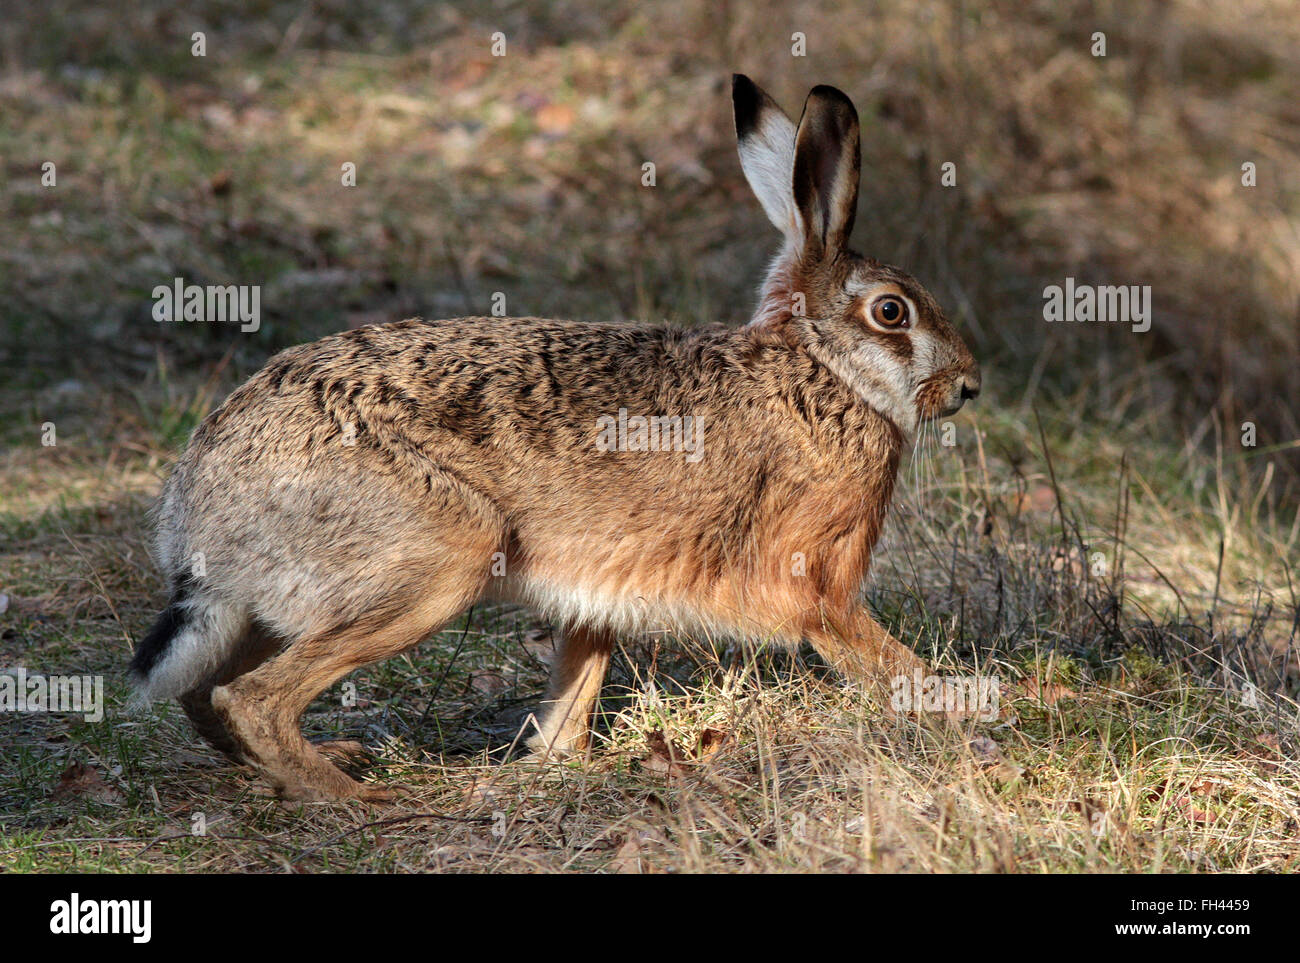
{"x": 767, "y": 158}
{"x": 766, "y": 138}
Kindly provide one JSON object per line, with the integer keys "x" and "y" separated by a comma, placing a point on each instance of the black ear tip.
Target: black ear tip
{"x": 832, "y": 97}
{"x": 746, "y": 99}
{"x": 828, "y": 92}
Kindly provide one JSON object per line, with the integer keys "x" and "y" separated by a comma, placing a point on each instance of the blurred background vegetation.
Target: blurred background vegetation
{"x": 521, "y": 174}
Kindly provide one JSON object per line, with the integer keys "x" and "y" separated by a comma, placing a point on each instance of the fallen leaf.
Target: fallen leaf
{"x": 1192, "y": 813}
{"x": 1155, "y": 793}
{"x": 1271, "y": 742}
{"x": 628, "y": 857}
{"x": 711, "y": 741}
{"x": 81, "y": 781}
{"x": 669, "y": 758}
{"x": 665, "y": 757}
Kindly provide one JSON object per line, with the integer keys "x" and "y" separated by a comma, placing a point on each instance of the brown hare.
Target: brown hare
{"x": 360, "y": 492}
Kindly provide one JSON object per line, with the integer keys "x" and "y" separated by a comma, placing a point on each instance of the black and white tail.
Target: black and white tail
{"x": 191, "y": 639}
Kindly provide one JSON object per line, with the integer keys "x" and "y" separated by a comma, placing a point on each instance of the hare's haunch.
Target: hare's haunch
{"x": 360, "y": 492}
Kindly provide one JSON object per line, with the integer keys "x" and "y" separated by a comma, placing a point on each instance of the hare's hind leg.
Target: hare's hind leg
{"x": 257, "y": 646}
{"x": 576, "y": 679}
{"x": 262, "y": 708}
{"x": 860, "y": 648}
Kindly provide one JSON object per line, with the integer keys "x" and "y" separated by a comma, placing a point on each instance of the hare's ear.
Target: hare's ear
{"x": 765, "y": 136}
{"x": 827, "y": 160}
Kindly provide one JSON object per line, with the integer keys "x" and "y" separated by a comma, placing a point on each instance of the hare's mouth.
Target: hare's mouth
{"x": 939, "y": 401}
{"x": 955, "y": 403}
{"x": 941, "y": 398}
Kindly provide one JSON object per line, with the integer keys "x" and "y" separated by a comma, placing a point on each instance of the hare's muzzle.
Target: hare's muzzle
{"x": 964, "y": 388}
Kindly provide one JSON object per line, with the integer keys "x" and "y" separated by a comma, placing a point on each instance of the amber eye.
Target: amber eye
{"x": 890, "y": 312}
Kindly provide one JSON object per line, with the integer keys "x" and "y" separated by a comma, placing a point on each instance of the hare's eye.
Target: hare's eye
{"x": 890, "y": 312}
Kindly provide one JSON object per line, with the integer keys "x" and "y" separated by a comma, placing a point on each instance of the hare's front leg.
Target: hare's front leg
{"x": 860, "y": 648}
{"x": 576, "y": 678}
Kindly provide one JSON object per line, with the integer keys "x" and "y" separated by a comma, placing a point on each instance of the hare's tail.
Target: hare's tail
{"x": 190, "y": 640}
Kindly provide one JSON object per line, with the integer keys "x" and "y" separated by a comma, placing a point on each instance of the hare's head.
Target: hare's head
{"x": 872, "y": 325}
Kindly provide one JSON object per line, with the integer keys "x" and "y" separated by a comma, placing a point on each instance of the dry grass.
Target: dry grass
{"x": 1137, "y": 749}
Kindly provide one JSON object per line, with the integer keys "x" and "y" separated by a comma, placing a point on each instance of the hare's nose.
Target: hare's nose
{"x": 970, "y": 385}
